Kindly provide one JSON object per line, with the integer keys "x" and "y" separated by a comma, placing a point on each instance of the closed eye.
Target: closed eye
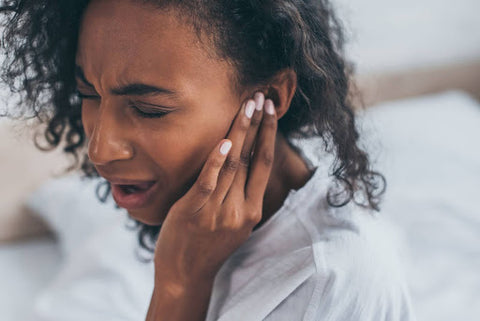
{"x": 83, "y": 96}
{"x": 145, "y": 114}
{"x": 142, "y": 112}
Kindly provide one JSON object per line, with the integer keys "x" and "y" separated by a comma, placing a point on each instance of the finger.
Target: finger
{"x": 262, "y": 161}
{"x": 237, "y": 136}
{"x": 247, "y": 149}
{"x": 204, "y": 186}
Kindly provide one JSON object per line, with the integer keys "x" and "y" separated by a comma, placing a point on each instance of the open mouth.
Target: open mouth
{"x": 130, "y": 189}
{"x": 134, "y": 196}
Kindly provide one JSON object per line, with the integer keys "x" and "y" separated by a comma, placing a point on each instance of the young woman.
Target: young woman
{"x": 189, "y": 110}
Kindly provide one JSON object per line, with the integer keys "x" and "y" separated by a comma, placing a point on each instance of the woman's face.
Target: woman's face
{"x": 135, "y": 59}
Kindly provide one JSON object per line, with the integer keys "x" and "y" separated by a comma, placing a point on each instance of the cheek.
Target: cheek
{"x": 185, "y": 152}
{"x": 196, "y": 138}
{"x": 179, "y": 152}
{"x": 182, "y": 150}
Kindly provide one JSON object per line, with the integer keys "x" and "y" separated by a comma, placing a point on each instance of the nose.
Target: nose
{"x": 109, "y": 141}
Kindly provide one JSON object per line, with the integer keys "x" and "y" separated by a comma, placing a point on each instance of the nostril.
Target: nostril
{"x": 103, "y": 150}
{"x": 95, "y": 154}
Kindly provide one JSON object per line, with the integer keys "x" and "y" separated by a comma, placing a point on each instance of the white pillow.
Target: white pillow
{"x": 71, "y": 208}
{"x": 101, "y": 280}
{"x": 102, "y": 276}
{"x": 428, "y": 149}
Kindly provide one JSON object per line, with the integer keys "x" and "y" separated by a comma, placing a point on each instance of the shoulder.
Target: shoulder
{"x": 359, "y": 274}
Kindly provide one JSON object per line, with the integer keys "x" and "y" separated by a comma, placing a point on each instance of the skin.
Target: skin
{"x": 122, "y": 42}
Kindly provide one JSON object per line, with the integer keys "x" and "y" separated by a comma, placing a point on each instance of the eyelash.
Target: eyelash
{"x": 148, "y": 115}
{"x": 135, "y": 108}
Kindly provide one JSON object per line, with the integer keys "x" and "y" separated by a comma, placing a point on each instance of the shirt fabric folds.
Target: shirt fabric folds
{"x": 313, "y": 262}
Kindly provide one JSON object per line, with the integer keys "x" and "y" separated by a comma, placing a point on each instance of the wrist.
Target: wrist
{"x": 177, "y": 281}
{"x": 179, "y": 301}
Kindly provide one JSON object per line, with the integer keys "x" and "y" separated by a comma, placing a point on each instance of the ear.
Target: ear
{"x": 281, "y": 90}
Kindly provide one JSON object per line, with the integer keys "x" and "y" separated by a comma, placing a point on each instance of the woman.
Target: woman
{"x": 189, "y": 110}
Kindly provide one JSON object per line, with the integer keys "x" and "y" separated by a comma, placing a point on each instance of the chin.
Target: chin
{"x": 147, "y": 216}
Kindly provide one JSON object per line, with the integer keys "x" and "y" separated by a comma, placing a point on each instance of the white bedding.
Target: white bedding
{"x": 431, "y": 158}
{"x": 26, "y": 268}
{"x": 428, "y": 149}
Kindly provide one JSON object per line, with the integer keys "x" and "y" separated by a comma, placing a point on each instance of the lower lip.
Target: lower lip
{"x": 135, "y": 200}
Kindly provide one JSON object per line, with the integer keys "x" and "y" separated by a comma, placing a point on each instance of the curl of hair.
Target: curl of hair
{"x": 259, "y": 37}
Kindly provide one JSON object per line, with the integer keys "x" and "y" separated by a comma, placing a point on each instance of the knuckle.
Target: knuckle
{"x": 245, "y": 159}
{"x": 231, "y": 164}
{"x": 229, "y": 226}
{"x": 267, "y": 158}
{"x": 234, "y": 221}
{"x": 205, "y": 188}
{"x": 254, "y": 217}
{"x": 229, "y": 217}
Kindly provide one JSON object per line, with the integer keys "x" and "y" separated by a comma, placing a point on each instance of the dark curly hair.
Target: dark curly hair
{"x": 260, "y": 38}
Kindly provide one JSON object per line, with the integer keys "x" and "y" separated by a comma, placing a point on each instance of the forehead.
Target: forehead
{"x": 122, "y": 39}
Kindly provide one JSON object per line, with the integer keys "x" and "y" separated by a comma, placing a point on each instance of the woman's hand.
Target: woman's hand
{"x": 218, "y": 213}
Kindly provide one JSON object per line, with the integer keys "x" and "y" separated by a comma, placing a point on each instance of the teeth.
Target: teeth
{"x": 129, "y": 189}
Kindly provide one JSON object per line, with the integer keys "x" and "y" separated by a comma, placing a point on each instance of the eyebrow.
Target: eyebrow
{"x": 133, "y": 89}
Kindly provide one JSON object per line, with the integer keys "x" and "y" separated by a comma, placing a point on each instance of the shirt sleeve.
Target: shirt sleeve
{"x": 365, "y": 278}
{"x": 359, "y": 276}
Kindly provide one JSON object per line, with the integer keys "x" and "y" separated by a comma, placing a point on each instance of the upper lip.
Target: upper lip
{"x": 122, "y": 181}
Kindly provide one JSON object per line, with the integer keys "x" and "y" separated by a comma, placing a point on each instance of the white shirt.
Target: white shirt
{"x": 308, "y": 262}
{"x": 312, "y": 262}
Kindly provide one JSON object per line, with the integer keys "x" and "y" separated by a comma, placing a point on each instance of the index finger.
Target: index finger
{"x": 237, "y": 135}
{"x": 263, "y": 155}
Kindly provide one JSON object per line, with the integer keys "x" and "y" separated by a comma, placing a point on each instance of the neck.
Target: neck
{"x": 289, "y": 172}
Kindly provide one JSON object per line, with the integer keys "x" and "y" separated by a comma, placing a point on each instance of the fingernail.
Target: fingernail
{"x": 259, "y": 100}
{"x": 250, "y": 108}
{"x": 269, "y": 108}
{"x": 225, "y": 148}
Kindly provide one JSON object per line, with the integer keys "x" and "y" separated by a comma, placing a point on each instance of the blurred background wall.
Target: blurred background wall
{"x": 407, "y": 48}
